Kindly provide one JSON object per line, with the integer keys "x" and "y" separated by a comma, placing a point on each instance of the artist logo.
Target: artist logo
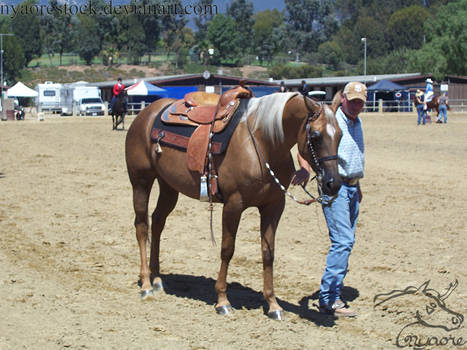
{"x": 432, "y": 323}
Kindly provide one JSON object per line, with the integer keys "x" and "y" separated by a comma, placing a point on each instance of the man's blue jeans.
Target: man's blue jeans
{"x": 443, "y": 112}
{"x": 341, "y": 217}
{"x": 421, "y": 113}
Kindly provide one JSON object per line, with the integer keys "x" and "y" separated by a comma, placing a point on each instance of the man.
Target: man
{"x": 342, "y": 212}
{"x": 443, "y": 108}
{"x": 419, "y": 105}
{"x": 118, "y": 87}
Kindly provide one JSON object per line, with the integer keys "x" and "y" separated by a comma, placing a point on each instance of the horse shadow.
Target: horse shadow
{"x": 202, "y": 289}
{"x": 2, "y": 175}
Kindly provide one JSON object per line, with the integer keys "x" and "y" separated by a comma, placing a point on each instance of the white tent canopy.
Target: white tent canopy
{"x": 21, "y": 90}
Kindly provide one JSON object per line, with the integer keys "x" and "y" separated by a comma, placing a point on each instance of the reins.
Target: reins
{"x": 310, "y": 118}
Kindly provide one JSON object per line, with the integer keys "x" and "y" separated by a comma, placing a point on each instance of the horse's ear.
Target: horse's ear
{"x": 336, "y": 101}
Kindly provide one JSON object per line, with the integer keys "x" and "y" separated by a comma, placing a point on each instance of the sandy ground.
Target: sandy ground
{"x": 69, "y": 261}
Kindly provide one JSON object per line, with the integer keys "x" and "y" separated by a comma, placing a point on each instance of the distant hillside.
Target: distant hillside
{"x": 98, "y": 72}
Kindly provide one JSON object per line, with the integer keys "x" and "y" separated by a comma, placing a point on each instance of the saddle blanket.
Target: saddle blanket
{"x": 177, "y": 136}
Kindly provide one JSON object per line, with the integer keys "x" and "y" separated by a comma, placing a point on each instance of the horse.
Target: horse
{"x": 434, "y": 104}
{"x": 269, "y": 127}
{"x": 119, "y": 110}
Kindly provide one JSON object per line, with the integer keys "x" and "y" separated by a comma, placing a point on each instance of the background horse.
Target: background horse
{"x": 118, "y": 111}
{"x": 270, "y": 127}
{"x": 434, "y": 104}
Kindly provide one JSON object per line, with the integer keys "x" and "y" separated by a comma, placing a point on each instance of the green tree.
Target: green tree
{"x": 172, "y": 26}
{"x": 264, "y": 38}
{"x": 152, "y": 27}
{"x": 13, "y": 56}
{"x": 202, "y": 21}
{"x": 57, "y": 31}
{"x": 87, "y": 45}
{"x": 330, "y": 53}
{"x": 242, "y": 13}
{"x": 404, "y": 27}
{"x": 26, "y": 27}
{"x": 445, "y": 51}
{"x": 306, "y": 21}
{"x": 223, "y": 36}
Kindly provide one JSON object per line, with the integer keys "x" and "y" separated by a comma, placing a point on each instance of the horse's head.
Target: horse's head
{"x": 318, "y": 140}
{"x": 122, "y": 94}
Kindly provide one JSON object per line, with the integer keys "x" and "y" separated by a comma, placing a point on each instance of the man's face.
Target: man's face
{"x": 352, "y": 108}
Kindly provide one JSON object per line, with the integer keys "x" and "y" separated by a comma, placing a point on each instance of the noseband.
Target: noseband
{"x": 312, "y": 116}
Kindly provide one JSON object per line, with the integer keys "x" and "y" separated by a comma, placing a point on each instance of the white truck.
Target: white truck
{"x": 81, "y": 99}
{"x": 49, "y": 97}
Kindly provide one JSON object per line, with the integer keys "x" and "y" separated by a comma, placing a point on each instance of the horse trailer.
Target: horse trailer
{"x": 49, "y": 97}
{"x": 73, "y": 95}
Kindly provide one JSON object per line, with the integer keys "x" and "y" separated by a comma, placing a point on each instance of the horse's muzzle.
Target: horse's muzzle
{"x": 330, "y": 185}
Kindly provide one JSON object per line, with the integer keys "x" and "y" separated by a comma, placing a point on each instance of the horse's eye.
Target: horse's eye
{"x": 315, "y": 134}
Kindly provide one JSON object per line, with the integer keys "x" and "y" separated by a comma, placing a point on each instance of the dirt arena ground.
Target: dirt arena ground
{"x": 69, "y": 261}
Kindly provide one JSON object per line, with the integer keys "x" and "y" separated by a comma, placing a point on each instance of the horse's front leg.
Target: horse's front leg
{"x": 230, "y": 218}
{"x": 270, "y": 216}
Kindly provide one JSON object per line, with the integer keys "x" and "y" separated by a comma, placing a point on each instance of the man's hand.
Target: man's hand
{"x": 300, "y": 177}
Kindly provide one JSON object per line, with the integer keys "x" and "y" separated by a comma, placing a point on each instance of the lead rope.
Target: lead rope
{"x": 271, "y": 172}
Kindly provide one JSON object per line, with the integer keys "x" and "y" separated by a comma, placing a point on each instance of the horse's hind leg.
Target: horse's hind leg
{"x": 141, "y": 190}
{"x": 165, "y": 204}
{"x": 270, "y": 215}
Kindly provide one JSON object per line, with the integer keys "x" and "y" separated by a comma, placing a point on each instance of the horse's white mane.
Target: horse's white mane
{"x": 267, "y": 113}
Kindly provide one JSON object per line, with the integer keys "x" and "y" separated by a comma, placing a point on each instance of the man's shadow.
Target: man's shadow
{"x": 241, "y": 297}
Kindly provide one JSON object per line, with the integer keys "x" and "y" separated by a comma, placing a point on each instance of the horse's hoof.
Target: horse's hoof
{"x": 147, "y": 294}
{"x": 276, "y": 315}
{"x": 224, "y": 310}
{"x": 157, "y": 287}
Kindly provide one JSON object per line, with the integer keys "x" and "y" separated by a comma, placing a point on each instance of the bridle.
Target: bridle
{"x": 311, "y": 117}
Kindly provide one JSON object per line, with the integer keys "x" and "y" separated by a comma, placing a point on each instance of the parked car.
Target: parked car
{"x": 91, "y": 106}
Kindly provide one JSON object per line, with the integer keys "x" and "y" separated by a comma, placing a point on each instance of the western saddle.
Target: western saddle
{"x": 209, "y": 113}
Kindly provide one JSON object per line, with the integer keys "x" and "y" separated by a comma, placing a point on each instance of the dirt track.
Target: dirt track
{"x": 69, "y": 259}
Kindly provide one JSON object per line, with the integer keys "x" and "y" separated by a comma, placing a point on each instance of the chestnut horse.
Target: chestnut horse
{"x": 269, "y": 128}
{"x": 434, "y": 104}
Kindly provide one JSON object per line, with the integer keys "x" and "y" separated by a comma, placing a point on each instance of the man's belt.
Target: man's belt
{"x": 351, "y": 181}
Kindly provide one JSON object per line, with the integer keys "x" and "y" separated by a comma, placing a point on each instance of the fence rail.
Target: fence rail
{"x": 456, "y": 106}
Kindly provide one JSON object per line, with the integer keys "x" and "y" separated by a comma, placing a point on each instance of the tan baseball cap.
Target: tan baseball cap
{"x": 355, "y": 90}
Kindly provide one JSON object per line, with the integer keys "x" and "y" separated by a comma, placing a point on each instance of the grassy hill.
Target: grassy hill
{"x": 38, "y": 73}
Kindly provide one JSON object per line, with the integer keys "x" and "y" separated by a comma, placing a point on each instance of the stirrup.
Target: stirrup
{"x": 203, "y": 190}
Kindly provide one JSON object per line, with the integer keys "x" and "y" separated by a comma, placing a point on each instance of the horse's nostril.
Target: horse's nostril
{"x": 330, "y": 182}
